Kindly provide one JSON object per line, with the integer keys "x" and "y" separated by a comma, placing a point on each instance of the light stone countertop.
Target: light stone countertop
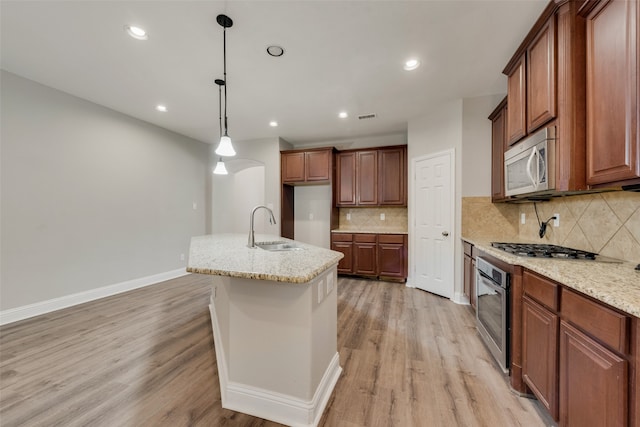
{"x": 228, "y": 255}
{"x": 616, "y": 284}
{"x": 369, "y": 231}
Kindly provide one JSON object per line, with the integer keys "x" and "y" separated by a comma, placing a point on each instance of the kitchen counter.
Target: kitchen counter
{"x": 274, "y": 320}
{"x": 616, "y": 284}
{"x": 228, "y": 255}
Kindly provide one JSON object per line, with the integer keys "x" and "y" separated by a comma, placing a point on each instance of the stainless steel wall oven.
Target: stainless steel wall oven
{"x": 492, "y": 310}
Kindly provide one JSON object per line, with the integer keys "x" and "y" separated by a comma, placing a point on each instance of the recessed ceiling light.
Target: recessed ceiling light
{"x": 275, "y": 50}
{"x": 343, "y": 115}
{"x": 411, "y": 64}
{"x": 136, "y": 32}
{"x": 273, "y": 123}
{"x": 162, "y": 108}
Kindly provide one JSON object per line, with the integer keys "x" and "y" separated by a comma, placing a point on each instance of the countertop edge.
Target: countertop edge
{"x": 597, "y": 291}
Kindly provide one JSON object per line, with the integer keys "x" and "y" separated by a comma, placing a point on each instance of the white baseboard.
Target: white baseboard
{"x": 280, "y": 408}
{"x": 460, "y": 298}
{"x": 43, "y": 307}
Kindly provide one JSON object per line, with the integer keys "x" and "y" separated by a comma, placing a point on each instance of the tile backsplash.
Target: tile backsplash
{"x": 368, "y": 219}
{"x": 606, "y": 223}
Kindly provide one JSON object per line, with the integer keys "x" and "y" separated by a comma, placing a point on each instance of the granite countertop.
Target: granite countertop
{"x": 616, "y": 284}
{"x": 228, "y": 255}
{"x": 370, "y": 231}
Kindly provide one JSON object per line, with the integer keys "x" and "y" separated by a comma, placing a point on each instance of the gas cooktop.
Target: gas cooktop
{"x": 535, "y": 250}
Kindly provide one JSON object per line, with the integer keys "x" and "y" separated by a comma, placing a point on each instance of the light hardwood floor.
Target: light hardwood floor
{"x": 146, "y": 358}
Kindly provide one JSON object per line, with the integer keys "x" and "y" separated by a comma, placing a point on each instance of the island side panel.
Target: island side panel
{"x": 270, "y": 334}
{"x": 324, "y": 344}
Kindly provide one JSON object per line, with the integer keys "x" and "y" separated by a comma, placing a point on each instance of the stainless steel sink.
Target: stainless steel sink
{"x": 278, "y": 246}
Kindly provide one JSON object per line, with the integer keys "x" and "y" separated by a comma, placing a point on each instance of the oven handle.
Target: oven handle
{"x": 490, "y": 283}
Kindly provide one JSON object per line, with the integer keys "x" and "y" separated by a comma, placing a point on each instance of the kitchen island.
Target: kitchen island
{"x": 274, "y": 318}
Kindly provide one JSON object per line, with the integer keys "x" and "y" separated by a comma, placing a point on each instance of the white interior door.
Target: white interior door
{"x": 433, "y": 224}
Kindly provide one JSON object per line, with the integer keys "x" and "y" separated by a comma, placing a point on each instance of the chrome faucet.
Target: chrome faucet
{"x": 272, "y": 220}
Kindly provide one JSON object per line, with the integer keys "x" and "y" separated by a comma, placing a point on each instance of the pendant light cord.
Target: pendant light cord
{"x": 220, "y": 108}
{"x": 224, "y": 65}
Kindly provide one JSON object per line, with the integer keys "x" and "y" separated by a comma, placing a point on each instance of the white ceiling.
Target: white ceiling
{"x": 339, "y": 55}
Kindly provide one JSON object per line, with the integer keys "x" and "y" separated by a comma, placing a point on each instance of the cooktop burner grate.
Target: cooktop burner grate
{"x": 544, "y": 251}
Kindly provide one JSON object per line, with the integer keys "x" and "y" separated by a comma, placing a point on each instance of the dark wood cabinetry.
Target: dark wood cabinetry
{"x": 372, "y": 255}
{"x": 306, "y": 167}
{"x": 469, "y": 273}
{"x": 546, "y": 87}
{"x": 343, "y": 242}
{"x": 531, "y": 83}
{"x": 392, "y": 256}
{"x": 613, "y": 136}
{"x": 593, "y": 382}
{"x": 578, "y": 356}
{"x": 392, "y": 176}
{"x": 539, "y": 353}
{"x": 365, "y": 248}
{"x": 499, "y": 145}
{"x": 367, "y": 178}
{"x": 373, "y": 177}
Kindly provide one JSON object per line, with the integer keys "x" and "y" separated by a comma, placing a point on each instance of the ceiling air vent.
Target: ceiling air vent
{"x": 366, "y": 116}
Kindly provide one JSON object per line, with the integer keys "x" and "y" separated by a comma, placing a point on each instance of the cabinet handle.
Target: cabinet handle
{"x": 445, "y": 233}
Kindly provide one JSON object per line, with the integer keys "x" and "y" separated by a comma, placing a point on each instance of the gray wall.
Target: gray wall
{"x": 90, "y": 197}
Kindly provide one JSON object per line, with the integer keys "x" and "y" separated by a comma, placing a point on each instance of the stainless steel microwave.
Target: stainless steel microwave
{"x": 529, "y": 167}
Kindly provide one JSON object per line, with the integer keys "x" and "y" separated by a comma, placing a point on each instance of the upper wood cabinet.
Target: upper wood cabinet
{"x": 613, "y": 138}
{"x": 531, "y": 84}
{"x": 392, "y": 176}
{"x": 306, "y": 166}
{"x": 372, "y": 177}
{"x": 499, "y": 145}
{"x": 546, "y": 87}
{"x": 517, "y": 99}
{"x": 367, "y": 178}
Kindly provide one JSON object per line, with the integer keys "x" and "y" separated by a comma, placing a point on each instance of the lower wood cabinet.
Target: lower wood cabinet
{"x": 539, "y": 353}
{"x": 365, "y": 247}
{"x": 383, "y": 256}
{"x": 593, "y": 382}
{"x": 577, "y": 356}
{"x": 469, "y": 273}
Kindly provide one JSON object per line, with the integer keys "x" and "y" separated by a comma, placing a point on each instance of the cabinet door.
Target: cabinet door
{"x": 365, "y": 259}
{"x": 516, "y": 99}
{"x": 540, "y": 353}
{"x": 345, "y": 265}
{"x": 541, "y": 77}
{"x": 292, "y": 167}
{"x": 391, "y": 260}
{"x": 472, "y": 284}
{"x": 346, "y": 179}
{"x": 392, "y": 176}
{"x": 613, "y": 141}
{"x": 317, "y": 165}
{"x": 593, "y": 382}
{"x": 367, "y": 177}
{"x": 498, "y": 146}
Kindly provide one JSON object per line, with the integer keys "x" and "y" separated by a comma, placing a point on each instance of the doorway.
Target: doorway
{"x": 432, "y": 241}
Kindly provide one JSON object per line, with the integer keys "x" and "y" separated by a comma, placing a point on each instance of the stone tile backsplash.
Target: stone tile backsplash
{"x": 368, "y": 219}
{"x": 606, "y": 223}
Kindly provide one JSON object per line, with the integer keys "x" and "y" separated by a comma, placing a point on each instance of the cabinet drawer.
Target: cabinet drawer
{"x": 542, "y": 290}
{"x": 341, "y": 237}
{"x": 602, "y": 323}
{"x": 365, "y": 238}
{"x": 391, "y": 238}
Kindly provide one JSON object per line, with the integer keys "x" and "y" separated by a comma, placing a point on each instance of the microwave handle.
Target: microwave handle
{"x": 534, "y": 180}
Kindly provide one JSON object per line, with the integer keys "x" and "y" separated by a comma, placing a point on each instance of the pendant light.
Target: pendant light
{"x": 220, "y": 168}
{"x": 225, "y": 148}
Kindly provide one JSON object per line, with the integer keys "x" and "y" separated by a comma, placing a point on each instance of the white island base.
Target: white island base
{"x": 276, "y": 346}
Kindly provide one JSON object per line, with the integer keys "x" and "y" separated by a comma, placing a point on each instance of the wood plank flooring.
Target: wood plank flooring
{"x": 146, "y": 358}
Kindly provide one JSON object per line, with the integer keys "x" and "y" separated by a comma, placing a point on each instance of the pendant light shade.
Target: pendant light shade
{"x": 225, "y": 148}
{"x": 220, "y": 168}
